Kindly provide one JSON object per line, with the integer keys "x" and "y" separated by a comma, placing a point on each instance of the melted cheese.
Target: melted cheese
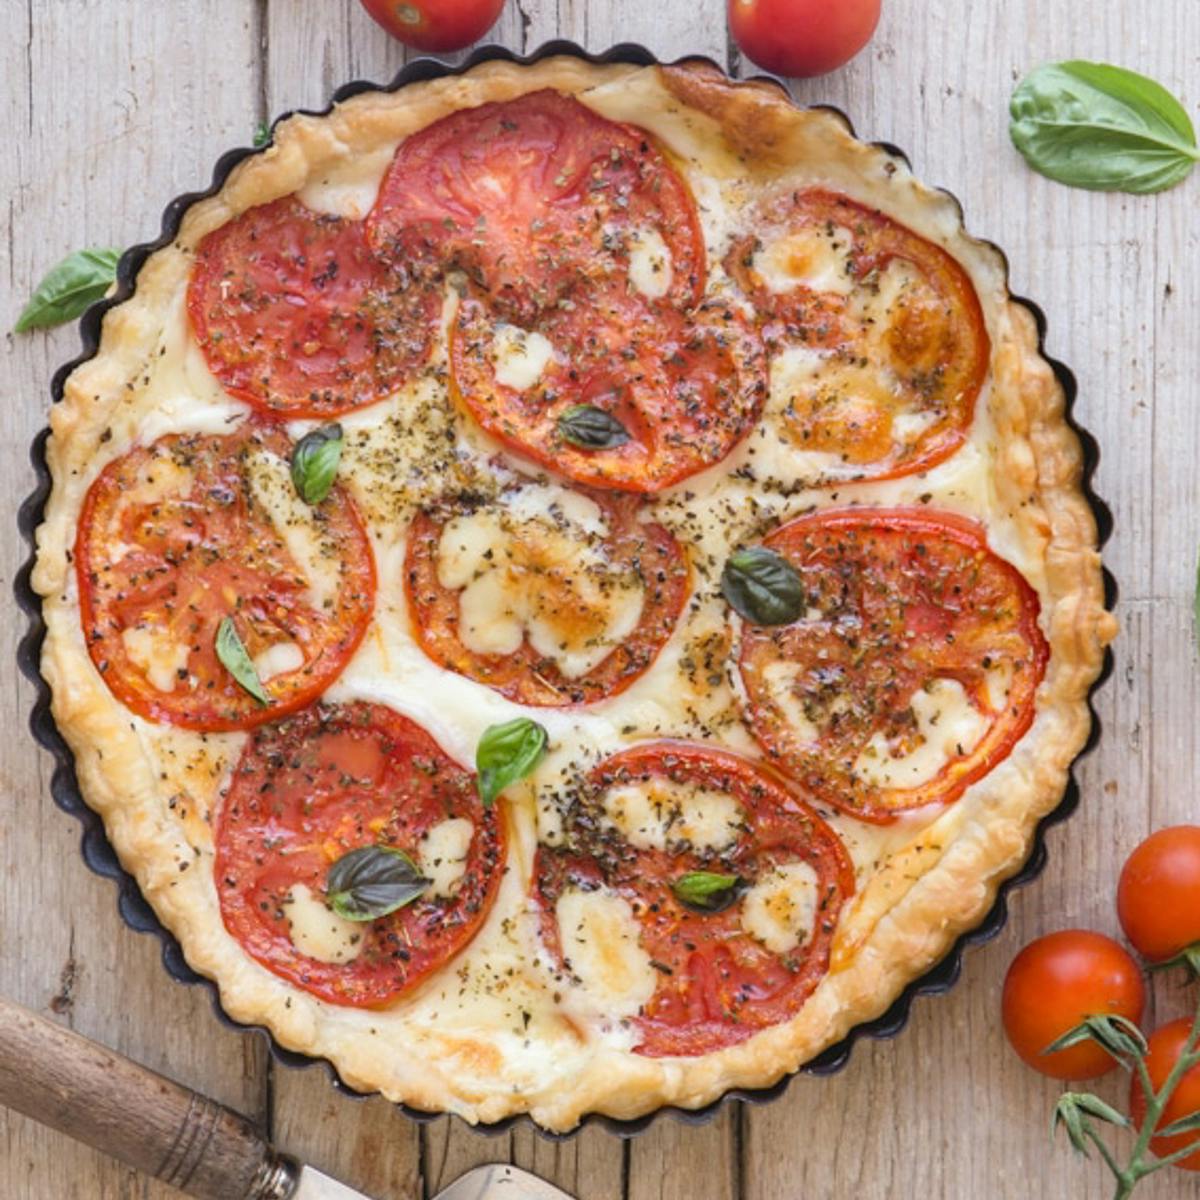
{"x": 519, "y": 357}
{"x": 297, "y": 526}
{"x": 278, "y": 659}
{"x": 153, "y": 651}
{"x": 815, "y": 258}
{"x": 649, "y": 263}
{"x": 780, "y": 909}
{"x": 442, "y": 854}
{"x": 535, "y": 569}
{"x": 658, "y": 812}
{"x": 318, "y": 931}
{"x": 947, "y": 726}
{"x": 600, "y": 944}
{"x": 348, "y": 189}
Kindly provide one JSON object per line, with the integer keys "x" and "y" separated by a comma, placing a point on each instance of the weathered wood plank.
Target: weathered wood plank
{"x": 945, "y": 1111}
{"x": 96, "y": 102}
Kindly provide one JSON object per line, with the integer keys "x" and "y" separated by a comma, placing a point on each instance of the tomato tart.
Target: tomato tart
{"x": 570, "y": 586}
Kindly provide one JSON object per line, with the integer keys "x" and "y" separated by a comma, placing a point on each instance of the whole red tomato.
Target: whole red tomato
{"x": 435, "y": 24}
{"x": 1165, "y": 1046}
{"x": 802, "y": 37}
{"x": 1158, "y": 897}
{"x": 1053, "y": 984}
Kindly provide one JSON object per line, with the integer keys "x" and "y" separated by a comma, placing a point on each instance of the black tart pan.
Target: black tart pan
{"x": 99, "y": 855}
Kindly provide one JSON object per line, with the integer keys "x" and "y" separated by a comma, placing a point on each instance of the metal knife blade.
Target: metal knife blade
{"x": 500, "y": 1182}
{"x": 316, "y": 1185}
{"x": 496, "y": 1182}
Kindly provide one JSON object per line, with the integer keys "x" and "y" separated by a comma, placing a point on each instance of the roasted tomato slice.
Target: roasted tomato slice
{"x": 320, "y": 784}
{"x": 176, "y": 536}
{"x": 878, "y": 343}
{"x": 912, "y": 673}
{"x": 296, "y": 316}
{"x": 549, "y": 596}
{"x": 683, "y": 389}
{"x": 650, "y": 820}
{"x": 540, "y": 199}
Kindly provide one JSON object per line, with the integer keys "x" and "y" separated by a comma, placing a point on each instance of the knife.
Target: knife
{"x": 160, "y": 1127}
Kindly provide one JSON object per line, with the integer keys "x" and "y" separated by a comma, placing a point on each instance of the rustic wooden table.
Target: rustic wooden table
{"x": 113, "y": 106}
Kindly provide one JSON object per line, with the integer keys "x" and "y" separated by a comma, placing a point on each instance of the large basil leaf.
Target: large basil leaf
{"x": 69, "y": 289}
{"x": 372, "y": 881}
{"x": 237, "y": 662}
{"x": 315, "y": 459}
{"x": 708, "y": 891}
{"x": 1096, "y": 126}
{"x": 507, "y": 753}
{"x": 591, "y": 428}
{"x": 762, "y": 587}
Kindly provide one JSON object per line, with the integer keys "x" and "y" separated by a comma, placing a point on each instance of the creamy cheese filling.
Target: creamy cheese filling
{"x": 650, "y": 269}
{"x": 161, "y": 657}
{"x": 536, "y": 569}
{"x": 601, "y": 946}
{"x": 519, "y": 356}
{"x": 442, "y": 854}
{"x": 659, "y": 812}
{"x": 297, "y": 526}
{"x": 947, "y": 726}
{"x": 780, "y": 909}
{"x": 317, "y": 930}
{"x": 814, "y": 257}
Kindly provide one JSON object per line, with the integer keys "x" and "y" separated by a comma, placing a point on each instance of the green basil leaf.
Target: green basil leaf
{"x": 1101, "y": 127}
{"x": 591, "y": 428}
{"x": 69, "y": 289}
{"x": 372, "y": 881}
{"x": 507, "y": 753}
{"x": 706, "y": 890}
{"x": 237, "y": 662}
{"x": 262, "y": 134}
{"x": 315, "y": 459}
{"x": 762, "y": 587}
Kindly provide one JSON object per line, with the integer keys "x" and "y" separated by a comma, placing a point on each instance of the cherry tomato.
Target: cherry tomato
{"x": 1053, "y": 984}
{"x": 435, "y": 24}
{"x": 802, "y": 37}
{"x": 1158, "y": 897}
{"x": 1166, "y": 1043}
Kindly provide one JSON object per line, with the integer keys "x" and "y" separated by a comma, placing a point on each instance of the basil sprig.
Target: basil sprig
{"x": 507, "y": 753}
{"x": 762, "y": 586}
{"x": 237, "y": 662}
{"x": 709, "y": 891}
{"x": 315, "y": 459}
{"x": 591, "y": 428}
{"x": 69, "y": 289}
{"x": 1092, "y": 125}
{"x": 372, "y": 881}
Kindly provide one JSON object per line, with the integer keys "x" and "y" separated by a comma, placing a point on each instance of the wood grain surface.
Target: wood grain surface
{"x": 112, "y": 107}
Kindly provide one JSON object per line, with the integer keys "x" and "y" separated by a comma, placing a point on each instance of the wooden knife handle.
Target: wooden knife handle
{"x": 96, "y": 1096}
